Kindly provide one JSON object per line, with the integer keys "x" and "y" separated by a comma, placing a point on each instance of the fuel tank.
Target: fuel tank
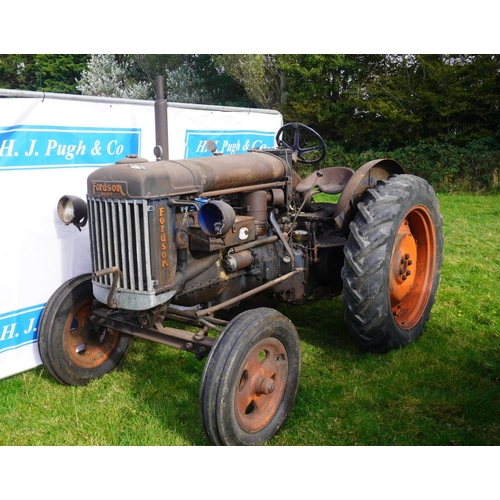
{"x": 134, "y": 177}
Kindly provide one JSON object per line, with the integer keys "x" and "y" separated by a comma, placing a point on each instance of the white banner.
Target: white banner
{"x": 48, "y": 147}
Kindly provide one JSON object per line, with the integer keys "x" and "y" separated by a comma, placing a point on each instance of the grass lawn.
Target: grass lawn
{"x": 442, "y": 390}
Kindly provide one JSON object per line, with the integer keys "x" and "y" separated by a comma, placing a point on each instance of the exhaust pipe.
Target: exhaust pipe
{"x": 161, "y": 121}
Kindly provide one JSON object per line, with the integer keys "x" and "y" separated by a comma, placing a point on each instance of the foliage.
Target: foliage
{"x": 105, "y": 77}
{"x": 472, "y": 167}
{"x": 378, "y": 101}
{"x": 398, "y": 100}
{"x": 190, "y": 78}
{"x": 439, "y": 114}
{"x": 258, "y": 74}
{"x": 313, "y": 88}
{"x": 42, "y": 72}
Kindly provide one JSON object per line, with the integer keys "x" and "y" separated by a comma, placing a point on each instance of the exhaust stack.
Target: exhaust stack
{"x": 161, "y": 121}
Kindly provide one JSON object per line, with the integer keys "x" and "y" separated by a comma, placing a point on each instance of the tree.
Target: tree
{"x": 403, "y": 99}
{"x": 15, "y": 73}
{"x": 223, "y": 89}
{"x": 313, "y": 84}
{"x": 104, "y": 76}
{"x": 190, "y": 78}
{"x": 258, "y": 74}
{"x": 41, "y": 72}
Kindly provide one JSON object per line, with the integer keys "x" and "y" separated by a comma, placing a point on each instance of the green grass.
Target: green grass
{"x": 442, "y": 390}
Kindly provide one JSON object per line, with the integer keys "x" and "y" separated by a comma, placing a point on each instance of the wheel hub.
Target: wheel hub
{"x": 404, "y": 256}
{"x": 85, "y": 346}
{"x": 412, "y": 267}
{"x": 262, "y": 384}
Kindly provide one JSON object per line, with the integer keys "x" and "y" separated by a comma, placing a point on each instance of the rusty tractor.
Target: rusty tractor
{"x": 192, "y": 240}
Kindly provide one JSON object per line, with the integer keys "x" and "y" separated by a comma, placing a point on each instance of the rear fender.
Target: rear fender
{"x": 363, "y": 179}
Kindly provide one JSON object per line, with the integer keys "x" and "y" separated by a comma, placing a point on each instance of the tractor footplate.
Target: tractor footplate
{"x": 330, "y": 240}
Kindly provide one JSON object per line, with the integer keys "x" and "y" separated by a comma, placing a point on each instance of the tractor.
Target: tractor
{"x": 210, "y": 242}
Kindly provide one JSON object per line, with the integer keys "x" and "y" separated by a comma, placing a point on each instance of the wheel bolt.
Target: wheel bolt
{"x": 404, "y": 277}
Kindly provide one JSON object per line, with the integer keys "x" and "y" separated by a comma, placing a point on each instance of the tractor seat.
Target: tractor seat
{"x": 331, "y": 180}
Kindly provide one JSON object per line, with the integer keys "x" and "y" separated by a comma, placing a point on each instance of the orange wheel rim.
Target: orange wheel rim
{"x": 262, "y": 384}
{"x": 86, "y": 347}
{"x": 412, "y": 267}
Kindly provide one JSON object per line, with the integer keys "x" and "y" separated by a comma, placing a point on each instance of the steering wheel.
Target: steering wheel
{"x": 294, "y": 132}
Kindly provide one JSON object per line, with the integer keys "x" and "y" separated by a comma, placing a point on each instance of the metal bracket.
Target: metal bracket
{"x": 111, "y": 302}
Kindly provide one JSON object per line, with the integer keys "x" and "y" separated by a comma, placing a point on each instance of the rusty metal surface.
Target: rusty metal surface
{"x": 331, "y": 180}
{"x": 254, "y": 291}
{"x": 412, "y": 268}
{"x": 192, "y": 176}
{"x": 173, "y": 337}
{"x": 85, "y": 346}
{"x": 262, "y": 384}
{"x": 364, "y": 178}
{"x": 161, "y": 120}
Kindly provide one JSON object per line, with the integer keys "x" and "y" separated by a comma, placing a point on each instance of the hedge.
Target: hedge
{"x": 474, "y": 167}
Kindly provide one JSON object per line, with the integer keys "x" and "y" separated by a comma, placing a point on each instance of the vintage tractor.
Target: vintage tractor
{"x": 192, "y": 240}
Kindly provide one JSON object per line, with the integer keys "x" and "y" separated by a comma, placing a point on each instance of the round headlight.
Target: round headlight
{"x": 72, "y": 210}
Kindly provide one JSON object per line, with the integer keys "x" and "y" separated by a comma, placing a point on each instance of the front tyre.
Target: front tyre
{"x": 250, "y": 379}
{"x": 72, "y": 350}
{"x": 392, "y": 263}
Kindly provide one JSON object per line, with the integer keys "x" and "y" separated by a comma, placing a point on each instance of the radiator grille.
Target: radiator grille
{"x": 119, "y": 236}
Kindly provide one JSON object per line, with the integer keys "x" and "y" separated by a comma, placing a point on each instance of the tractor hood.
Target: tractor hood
{"x": 134, "y": 177}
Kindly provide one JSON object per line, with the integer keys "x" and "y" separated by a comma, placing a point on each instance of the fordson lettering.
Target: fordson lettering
{"x": 163, "y": 238}
{"x": 106, "y": 189}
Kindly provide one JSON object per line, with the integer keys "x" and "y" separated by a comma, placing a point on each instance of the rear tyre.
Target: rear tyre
{"x": 72, "y": 350}
{"x": 392, "y": 263}
{"x": 250, "y": 379}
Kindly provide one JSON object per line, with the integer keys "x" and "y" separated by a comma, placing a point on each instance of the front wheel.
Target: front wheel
{"x": 392, "y": 263}
{"x": 72, "y": 350}
{"x": 250, "y": 379}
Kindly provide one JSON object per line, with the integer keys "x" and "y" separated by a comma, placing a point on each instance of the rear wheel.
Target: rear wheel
{"x": 250, "y": 379}
{"x": 71, "y": 348}
{"x": 392, "y": 264}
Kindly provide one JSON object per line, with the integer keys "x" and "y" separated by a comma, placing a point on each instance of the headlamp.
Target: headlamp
{"x": 72, "y": 210}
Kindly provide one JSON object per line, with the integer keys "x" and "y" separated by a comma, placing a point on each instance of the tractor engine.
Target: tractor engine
{"x": 189, "y": 231}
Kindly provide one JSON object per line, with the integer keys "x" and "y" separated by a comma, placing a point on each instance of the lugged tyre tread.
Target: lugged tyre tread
{"x": 364, "y": 275}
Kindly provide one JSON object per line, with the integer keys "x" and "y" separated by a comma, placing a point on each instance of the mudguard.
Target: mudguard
{"x": 363, "y": 179}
